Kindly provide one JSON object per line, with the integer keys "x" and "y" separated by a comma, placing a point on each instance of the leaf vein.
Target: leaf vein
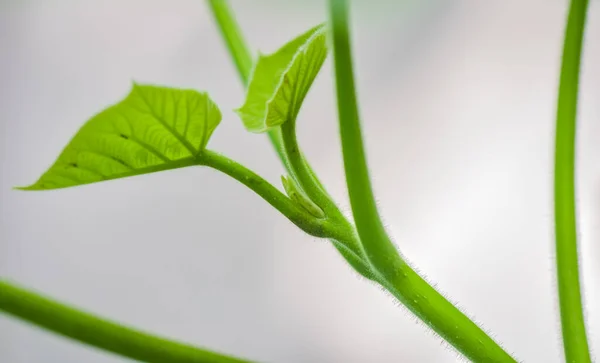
{"x": 107, "y": 156}
{"x": 151, "y": 149}
{"x": 152, "y": 113}
{"x": 89, "y": 170}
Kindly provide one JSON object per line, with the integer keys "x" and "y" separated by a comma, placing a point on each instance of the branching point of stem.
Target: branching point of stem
{"x": 297, "y": 215}
{"x": 395, "y": 274}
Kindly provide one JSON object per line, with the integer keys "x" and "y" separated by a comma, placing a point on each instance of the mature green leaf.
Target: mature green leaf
{"x": 152, "y": 129}
{"x": 280, "y": 81}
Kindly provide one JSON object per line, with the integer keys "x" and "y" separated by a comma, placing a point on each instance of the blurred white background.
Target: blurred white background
{"x": 457, "y": 99}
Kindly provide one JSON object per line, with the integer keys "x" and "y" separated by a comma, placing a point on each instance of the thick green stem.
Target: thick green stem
{"x": 396, "y": 275}
{"x": 267, "y": 191}
{"x": 569, "y": 290}
{"x": 380, "y": 251}
{"x": 444, "y": 318}
{"x": 100, "y": 333}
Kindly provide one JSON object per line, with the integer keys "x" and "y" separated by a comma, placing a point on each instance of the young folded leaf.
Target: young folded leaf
{"x": 152, "y": 129}
{"x": 280, "y": 81}
{"x": 300, "y": 198}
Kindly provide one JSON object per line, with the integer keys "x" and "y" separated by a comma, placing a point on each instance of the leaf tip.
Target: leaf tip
{"x": 26, "y": 188}
{"x": 284, "y": 182}
{"x": 289, "y": 186}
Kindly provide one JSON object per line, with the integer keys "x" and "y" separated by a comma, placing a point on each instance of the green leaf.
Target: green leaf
{"x": 280, "y": 81}
{"x": 300, "y": 198}
{"x": 152, "y": 129}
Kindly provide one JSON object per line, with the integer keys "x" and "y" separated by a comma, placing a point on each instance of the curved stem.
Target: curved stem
{"x": 441, "y": 315}
{"x": 302, "y": 171}
{"x": 100, "y": 333}
{"x": 267, "y": 191}
{"x": 349, "y": 248}
{"x": 572, "y": 320}
{"x": 379, "y": 249}
{"x": 313, "y": 188}
{"x": 395, "y": 274}
{"x": 239, "y": 52}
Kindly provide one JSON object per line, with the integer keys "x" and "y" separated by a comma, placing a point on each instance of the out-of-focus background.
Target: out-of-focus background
{"x": 458, "y": 100}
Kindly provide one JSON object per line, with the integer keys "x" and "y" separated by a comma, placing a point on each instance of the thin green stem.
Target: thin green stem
{"x": 100, "y": 333}
{"x": 266, "y": 190}
{"x": 569, "y": 290}
{"x": 309, "y": 182}
{"x": 238, "y": 50}
{"x": 394, "y": 274}
{"x": 347, "y": 247}
{"x": 302, "y": 171}
{"x": 233, "y": 37}
{"x": 240, "y": 53}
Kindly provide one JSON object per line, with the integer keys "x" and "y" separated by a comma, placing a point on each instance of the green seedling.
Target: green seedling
{"x": 156, "y": 128}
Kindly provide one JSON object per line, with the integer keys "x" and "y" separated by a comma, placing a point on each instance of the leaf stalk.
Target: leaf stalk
{"x": 297, "y": 215}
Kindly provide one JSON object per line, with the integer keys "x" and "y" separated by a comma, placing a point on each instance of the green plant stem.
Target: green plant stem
{"x": 354, "y": 259}
{"x": 267, "y": 191}
{"x": 414, "y": 292}
{"x": 313, "y": 188}
{"x": 569, "y": 290}
{"x": 379, "y": 249}
{"x": 444, "y": 318}
{"x": 233, "y": 37}
{"x": 230, "y": 30}
{"x": 100, "y": 333}
{"x": 303, "y": 172}
{"x": 240, "y": 53}
{"x": 308, "y": 223}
